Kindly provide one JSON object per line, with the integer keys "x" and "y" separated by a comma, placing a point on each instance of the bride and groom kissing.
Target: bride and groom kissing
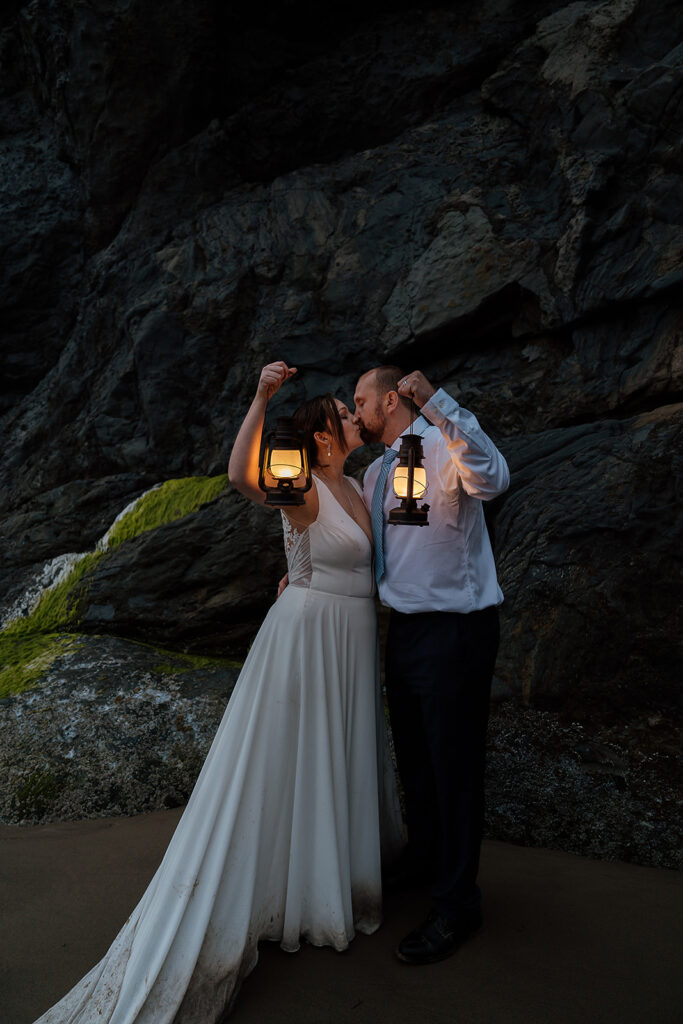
{"x": 296, "y": 809}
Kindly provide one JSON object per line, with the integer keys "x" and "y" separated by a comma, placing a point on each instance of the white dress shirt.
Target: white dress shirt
{"x": 448, "y": 565}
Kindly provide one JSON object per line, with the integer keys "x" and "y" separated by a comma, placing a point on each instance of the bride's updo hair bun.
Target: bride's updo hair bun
{"x": 319, "y": 413}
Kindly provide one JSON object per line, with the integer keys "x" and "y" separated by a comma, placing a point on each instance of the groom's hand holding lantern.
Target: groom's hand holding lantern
{"x": 410, "y": 478}
{"x": 416, "y": 387}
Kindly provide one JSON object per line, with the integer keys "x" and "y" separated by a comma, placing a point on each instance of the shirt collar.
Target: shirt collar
{"x": 419, "y": 426}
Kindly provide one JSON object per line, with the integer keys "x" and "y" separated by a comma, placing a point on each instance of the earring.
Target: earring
{"x": 329, "y": 449}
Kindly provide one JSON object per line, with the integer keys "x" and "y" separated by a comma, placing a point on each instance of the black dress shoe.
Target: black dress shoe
{"x": 438, "y": 938}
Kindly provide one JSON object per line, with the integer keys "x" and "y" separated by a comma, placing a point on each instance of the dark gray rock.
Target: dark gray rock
{"x": 585, "y": 788}
{"x": 491, "y": 193}
{"x": 589, "y": 549}
{"x": 69, "y": 518}
{"x": 41, "y": 244}
{"x": 204, "y": 580}
{"x": 114, "y": 728}
{"x": 119, "y": 728}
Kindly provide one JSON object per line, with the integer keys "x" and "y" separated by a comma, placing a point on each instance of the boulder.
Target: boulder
{"x": 584, "y": 535}
{"x": 117, "y": 727}
{"x": 114, "y": 728}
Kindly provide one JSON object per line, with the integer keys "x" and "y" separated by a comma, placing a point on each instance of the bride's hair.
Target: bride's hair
{"x": 319, "y": 413}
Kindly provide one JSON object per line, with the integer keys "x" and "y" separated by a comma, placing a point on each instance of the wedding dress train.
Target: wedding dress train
{"x": 281, "y": 836}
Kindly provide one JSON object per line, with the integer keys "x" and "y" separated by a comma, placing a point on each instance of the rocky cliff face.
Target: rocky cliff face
{"x": 491, "y": 193}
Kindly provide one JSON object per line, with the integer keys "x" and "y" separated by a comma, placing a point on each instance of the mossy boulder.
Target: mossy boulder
{"x": 170, "y": 501}
{"x": 25, "y": 657}
{"x": 30, "y": 643}
{"x": 202, "y": 583}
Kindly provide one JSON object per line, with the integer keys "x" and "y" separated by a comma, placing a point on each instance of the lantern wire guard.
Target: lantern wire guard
{"x": 410, "y": 481}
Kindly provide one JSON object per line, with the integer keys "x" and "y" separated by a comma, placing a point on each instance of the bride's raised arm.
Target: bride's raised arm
{"x": 243, "y": 468}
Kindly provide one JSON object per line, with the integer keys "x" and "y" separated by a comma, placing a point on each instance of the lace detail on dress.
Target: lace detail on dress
{"x": 298, "y": 552}
{"x": 290, "y": 532}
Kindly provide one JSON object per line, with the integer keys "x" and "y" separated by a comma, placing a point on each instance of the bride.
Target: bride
{"x": 281, "y": 837}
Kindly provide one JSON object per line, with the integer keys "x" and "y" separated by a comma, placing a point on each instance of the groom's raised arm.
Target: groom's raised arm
{"x": 474, "y": 461}
{"x": 482, "y": 470}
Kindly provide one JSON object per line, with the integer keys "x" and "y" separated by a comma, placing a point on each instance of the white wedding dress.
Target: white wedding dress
{"x": 281, "y": 836}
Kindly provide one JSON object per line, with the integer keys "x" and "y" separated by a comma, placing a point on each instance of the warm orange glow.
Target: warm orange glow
{"x": 401, "y": 482}
{"x": 285, "y": 463}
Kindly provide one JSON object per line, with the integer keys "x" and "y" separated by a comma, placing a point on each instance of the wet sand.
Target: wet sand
{"x": 565, "y": 939}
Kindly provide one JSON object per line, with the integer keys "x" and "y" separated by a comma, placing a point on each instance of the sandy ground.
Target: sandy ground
{"x": 565, "y": 939}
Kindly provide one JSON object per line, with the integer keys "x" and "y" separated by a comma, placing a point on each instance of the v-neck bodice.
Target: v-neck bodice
{"x": 333, "y": 554}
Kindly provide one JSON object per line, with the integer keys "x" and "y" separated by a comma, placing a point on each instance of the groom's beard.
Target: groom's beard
{"x": 369, "y": 436}
{"x": 372, "y": 433}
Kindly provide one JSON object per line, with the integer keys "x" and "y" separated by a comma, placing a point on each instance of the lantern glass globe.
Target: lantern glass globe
{"x": 285, "y": 463}
{"x": 401, "y": 482}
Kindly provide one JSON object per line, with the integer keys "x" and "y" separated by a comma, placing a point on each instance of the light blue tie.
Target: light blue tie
{"x": 377, "y": 512}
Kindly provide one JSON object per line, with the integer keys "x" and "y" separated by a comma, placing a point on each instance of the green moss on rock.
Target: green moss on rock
{"x": 25, "y": 657}
{"x": 176, "y": 662}
{"x": 29, "y": 646}
{"x": 173, "y": 500}
{"x": 57, "y": 608}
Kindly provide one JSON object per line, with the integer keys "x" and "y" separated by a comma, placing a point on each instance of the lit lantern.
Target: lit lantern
{"x": 284, "y": 472}
{"x": 410, "y": 483}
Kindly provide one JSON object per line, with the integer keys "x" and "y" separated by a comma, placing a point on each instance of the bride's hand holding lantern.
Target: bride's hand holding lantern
{"x": 284, "y": 473}
{"x": 273, "y": 376}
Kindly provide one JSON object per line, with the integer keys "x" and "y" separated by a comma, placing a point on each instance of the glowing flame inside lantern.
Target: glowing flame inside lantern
{"x": 285, "y": 463}
{"x": 401, "y": 482}
{"x": 410, "y": 483}
{"x": 284, "y": 470}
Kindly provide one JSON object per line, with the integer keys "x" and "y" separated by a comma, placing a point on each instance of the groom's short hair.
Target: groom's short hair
{"x": 387, "y": 379}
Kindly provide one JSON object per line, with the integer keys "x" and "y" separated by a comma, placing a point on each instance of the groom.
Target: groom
{"x": 440, "y": 583}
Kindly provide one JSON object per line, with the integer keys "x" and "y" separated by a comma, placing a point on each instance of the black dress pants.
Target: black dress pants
{"x": 439, "y": 667}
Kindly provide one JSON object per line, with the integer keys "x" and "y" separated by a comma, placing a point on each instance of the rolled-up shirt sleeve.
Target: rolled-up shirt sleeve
{"x": 475, "y": 462}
